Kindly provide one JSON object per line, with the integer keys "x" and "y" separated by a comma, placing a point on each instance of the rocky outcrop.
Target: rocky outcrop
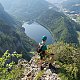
{"x": 32, "y": 70}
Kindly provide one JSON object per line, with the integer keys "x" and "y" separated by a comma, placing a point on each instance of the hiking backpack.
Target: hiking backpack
{"x": 39, "y": 48}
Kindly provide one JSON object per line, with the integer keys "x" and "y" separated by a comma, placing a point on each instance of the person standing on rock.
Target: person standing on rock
{"x": 42, "y": 50}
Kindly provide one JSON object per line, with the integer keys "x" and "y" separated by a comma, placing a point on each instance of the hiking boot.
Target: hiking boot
{"x": 42, "y": 68}
{"x": 52, "y": 67}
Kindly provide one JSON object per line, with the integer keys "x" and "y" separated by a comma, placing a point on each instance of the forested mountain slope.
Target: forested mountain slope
{"x": 61, "y": 27}
{"x": 12, "y": 35}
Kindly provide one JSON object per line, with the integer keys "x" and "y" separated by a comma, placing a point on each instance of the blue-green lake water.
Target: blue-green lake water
{"x": 36, "y": 31}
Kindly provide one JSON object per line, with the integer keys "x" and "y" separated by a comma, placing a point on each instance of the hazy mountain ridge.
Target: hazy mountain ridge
{"x": 27, "y": 9}
{"x": 6, "y": 18}
{"x": 1, "y": 7}
{"x": 55, "y": 1}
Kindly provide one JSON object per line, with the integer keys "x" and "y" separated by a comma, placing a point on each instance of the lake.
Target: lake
{"x": 36, "y": 31}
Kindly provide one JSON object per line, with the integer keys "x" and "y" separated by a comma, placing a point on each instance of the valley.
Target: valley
{"x": 60, "y": 25}
{"x": 22, "y": 25}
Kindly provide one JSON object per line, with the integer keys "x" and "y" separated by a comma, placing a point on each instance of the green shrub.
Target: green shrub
{"x": 10, "y": 71}
{"x": 68, "y": 57}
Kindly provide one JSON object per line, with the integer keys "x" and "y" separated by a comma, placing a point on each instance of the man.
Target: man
{"x": 43, "y": 53}
{"x": 43, "y": 48}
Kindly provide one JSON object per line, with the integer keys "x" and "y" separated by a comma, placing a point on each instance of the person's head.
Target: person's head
{"x": 44, "y": 38}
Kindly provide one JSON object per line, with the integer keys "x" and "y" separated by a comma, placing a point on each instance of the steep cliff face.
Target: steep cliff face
{"x": 12, "y": 35}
